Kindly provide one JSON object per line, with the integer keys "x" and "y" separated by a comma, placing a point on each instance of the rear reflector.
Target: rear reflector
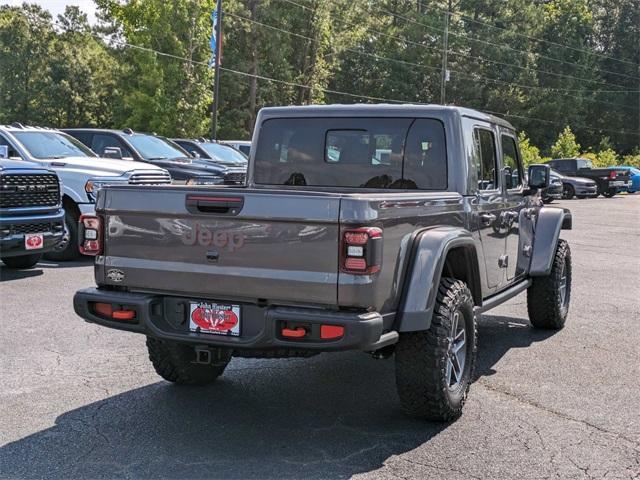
{"x": 105, "y": 310}
{"x": 328, "y": 332}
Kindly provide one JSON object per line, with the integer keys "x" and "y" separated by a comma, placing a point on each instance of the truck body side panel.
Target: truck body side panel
{"x": 401, "y": 218}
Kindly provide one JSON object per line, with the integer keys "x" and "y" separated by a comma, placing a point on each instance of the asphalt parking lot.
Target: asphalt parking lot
{"x": 79, "y": 401}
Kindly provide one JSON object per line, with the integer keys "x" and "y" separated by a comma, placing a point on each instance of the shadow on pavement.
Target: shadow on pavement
{"x": 7, "y": 274}
{"x": 333, "y": 415}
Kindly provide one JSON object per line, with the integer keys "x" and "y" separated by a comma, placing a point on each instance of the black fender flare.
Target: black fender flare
{"x": 547, "y": 233}
{"x": 422, "y": 278}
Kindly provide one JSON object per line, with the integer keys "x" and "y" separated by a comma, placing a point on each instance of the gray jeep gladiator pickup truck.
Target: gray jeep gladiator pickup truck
{"x": 381, "y": 228}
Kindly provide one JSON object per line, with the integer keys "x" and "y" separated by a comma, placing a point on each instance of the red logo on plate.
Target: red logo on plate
{"x": 219, "y": 320}
{"x": 34, "y": 242}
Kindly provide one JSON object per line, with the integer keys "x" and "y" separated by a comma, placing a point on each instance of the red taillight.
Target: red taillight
{"x": 361, "y": 251}
{"x": 90, "y": 235}
{"x": 613, "y": 175}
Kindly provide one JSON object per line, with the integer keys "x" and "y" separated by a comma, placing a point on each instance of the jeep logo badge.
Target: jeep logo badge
{"x": 115, "y": 275}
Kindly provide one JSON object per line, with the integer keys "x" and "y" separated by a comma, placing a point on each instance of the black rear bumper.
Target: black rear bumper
{"x": 166, "y": 318}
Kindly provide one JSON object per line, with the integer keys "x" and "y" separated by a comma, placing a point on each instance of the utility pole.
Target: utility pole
{"x": 216, "y": 79}
{"x": 445, "y": 50}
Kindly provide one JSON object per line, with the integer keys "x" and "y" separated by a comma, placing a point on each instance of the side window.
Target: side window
{"x": 511, "y": 162}
{"x": 102, "y": 141}
{"x": 11, "y": 152}
{"x": 487, "y": 159}
{"x": 584, "y": 164}
{"x": 425, "y": 159}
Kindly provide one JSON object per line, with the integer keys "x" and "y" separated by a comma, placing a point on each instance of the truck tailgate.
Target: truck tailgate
{"x": 222, "y": 243}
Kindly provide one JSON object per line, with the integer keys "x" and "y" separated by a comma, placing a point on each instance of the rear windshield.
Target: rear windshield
{"x": 401, "y": 153}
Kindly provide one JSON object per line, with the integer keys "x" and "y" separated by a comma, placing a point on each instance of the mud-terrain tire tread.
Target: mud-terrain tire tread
{"x": 421, "y": 359}
{"x": 543, "y": 296}
{"x": 173, "y": 362}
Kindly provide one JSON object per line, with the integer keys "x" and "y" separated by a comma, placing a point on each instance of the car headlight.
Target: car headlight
{"x": 94, "y": 184}
{"x": 211, "y": 180}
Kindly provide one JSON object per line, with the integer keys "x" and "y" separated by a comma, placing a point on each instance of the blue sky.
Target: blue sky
{"x": 57, "y": 6}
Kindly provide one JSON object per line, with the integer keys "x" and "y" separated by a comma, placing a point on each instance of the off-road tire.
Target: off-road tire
{"x": 71, "y": 252}
{"x": 175, "y": 363}
{"x": 568, "y": 191}
{"x": 22, "y": 261}
{"x": 544, "y": 301}
{"x": 421, "y": 358}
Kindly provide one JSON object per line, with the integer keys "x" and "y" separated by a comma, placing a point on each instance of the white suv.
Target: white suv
{"x": 81, "y": 172}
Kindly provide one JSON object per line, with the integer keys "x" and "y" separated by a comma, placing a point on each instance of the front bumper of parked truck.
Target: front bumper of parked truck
{"x": 14, "y": 228}
{"x": 261, "y": 327}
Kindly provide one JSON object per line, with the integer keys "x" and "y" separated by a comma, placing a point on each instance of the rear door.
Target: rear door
{"x": 490, "y": 203}
{"x": 226, "y": 244}
{"x": 513, "y": 187}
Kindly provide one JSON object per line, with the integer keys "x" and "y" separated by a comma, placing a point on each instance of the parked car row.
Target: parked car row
{"x": 576, "y": 177}
{"x": 86, "y": 159}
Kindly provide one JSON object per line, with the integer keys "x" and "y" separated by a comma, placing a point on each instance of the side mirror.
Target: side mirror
{"x": 112, "y": 152}
{"x": 4, "y": 151}
{"x": 539, "y": 177}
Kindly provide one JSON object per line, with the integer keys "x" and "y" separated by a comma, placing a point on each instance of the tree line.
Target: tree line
{"x": 543, "y": 66}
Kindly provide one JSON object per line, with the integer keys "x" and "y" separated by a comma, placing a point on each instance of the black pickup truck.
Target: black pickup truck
{"x": 610, "y": 180}
{"x": 31, "y": 214}
{"x": 380, "y": 228}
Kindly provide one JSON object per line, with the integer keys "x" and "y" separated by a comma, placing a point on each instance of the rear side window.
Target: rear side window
{"x": 511, "y": 162}
{"x": 487, "y": 159}
{"x": 352, "y": 152}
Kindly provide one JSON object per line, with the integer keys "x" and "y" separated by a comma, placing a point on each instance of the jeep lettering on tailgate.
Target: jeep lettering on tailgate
{"x": 205, "y": 236}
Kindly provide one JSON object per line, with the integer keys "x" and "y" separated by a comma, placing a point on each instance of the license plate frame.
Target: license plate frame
{"x": 34, "y": 241}
{"x": 215, "y": 318}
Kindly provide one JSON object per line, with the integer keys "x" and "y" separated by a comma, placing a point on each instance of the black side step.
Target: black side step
{"x": 498, "y": 298}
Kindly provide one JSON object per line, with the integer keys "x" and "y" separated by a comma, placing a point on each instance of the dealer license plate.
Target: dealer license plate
{"x": 33, "y": 241}
{"x": 214, "y": 318}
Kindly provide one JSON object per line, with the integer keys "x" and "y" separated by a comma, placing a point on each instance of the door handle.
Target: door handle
{"x": 487, "y": 218}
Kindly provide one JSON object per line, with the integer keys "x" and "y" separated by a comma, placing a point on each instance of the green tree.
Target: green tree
{"x": 530, "y": 153}
{"x": 26, "y": 44}
{"x": 566, "y": 145}
{"x": 162, "y": 93}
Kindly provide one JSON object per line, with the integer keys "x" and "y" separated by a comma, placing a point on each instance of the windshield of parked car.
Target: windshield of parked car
{"x": 555, "y": 173}
{"x": 224, "y": 153}
{"x": 380, "y": 153}
{"x": 156, "y": 148}
{"x": 46, "y": 145}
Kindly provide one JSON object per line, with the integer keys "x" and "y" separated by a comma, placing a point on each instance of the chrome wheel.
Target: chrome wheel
{"x": 457, "y": 353}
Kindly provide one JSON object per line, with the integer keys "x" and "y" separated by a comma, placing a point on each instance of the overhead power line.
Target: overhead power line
{"x": 550, "y": 42}
{"x": 468, "y": 75}
{"x": 500, "y": 45}
{"x": 125, "y": 44}
{"x": 439, "y": 50}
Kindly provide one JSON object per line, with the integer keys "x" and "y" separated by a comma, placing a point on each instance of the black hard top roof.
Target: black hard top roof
{"x": 381, "y": 110}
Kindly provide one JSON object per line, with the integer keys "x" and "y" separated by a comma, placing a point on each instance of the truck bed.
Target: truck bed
{"x": 258, "y": 245}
